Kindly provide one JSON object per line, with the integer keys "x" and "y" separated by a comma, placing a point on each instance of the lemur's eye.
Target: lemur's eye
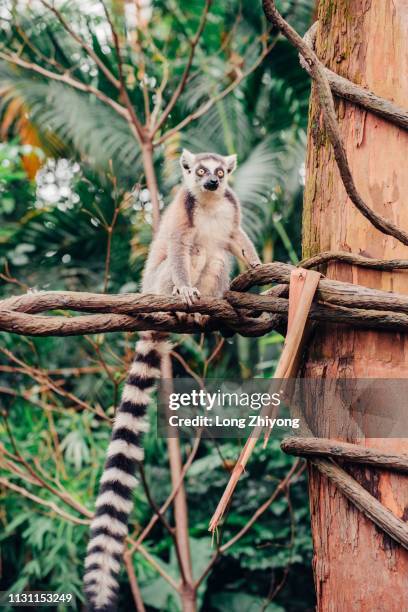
{"x": 201, "y": 172}
{"x": 220, "y": 173}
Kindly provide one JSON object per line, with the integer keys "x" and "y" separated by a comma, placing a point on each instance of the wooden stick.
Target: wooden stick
{"x": 303, "y": 285}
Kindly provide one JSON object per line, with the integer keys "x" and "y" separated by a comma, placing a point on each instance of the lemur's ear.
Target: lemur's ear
{"x": 187, "y": 160}
{"x": 231, "y": 163}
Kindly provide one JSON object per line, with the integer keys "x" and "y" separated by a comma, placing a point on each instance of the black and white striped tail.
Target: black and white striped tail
{"x": 114, "y": 503}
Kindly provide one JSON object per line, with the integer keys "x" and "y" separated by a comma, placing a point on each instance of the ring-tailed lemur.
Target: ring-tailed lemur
{"x": 190, "y": 256}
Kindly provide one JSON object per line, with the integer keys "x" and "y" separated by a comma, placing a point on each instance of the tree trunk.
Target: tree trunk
{"x": 356, "y": 567}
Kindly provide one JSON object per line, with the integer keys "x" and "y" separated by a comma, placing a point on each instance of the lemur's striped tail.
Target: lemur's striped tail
{"x": 114, "y": 503}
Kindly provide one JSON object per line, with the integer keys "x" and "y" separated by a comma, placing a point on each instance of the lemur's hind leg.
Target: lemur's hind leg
{"x": 214, "y": 280}
{"x": 163, "y": 285}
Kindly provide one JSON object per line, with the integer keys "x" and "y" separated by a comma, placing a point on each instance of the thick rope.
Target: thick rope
{"x": 384, "y": 265}
{"x": 238, "y": 311}
{"x": 344, "y": 88}
{"x": 355, "y": 453}
{"x": 316, "y": 448}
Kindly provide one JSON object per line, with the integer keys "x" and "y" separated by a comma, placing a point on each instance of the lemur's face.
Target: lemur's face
{"x": 207, "y": 172}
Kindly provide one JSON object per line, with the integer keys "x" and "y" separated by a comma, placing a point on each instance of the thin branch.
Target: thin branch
{"x": 187, "y": 368}
{"x": 134, "y": 586}
{"x": 204, "y": 108}
{"x": 34, "y": 479}
{"x": 232, "y": 32}
{"x": 38, "y": 500}
{"x": 138, "y": 46}
{"x": 279, "y": 489}
{"x": 89, "y": 51}
{"x": 62, "y": 495}
{"x": 11, "y": 279}
{"x": 153, "y": 504}
{"x": 135, "y": 545}
{"x": 49, "y": 60}
{"x": 68, "y": 371}
{"x": 273, "y": 592}
{"x": 26, "y": 395}
{"x": 283, "y": 484}
{"x": 110, "y": 228}
{"x": 139, "y": 129}
{"x": 107, "y": 369}
{"x": 183, "y": 81}
{"x": 213, "y": 355}
{"x": 13, "y": 468}
{"x": 67, "y": 80}
{"x": 164, "y": 522}
{"x": 172, "y": 495}
{"x": 41, "y": 377}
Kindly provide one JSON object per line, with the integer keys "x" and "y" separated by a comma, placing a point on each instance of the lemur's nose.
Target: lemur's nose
{"x": 211, "y": 184}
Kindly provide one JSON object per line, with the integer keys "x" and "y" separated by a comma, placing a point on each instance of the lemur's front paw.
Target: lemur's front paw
{"x": 189, "y": 295}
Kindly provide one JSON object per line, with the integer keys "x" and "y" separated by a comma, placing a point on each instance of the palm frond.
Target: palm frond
{"x": 255, "y": 179}
{"x": 84, "y": 124}
{"x": 225, "y": 128}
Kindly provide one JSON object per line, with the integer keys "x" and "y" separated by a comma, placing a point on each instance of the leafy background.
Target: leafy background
{"x": 67, "y": 163}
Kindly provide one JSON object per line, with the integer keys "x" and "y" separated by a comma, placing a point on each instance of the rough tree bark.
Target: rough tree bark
{"x": 355, "y": 566}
